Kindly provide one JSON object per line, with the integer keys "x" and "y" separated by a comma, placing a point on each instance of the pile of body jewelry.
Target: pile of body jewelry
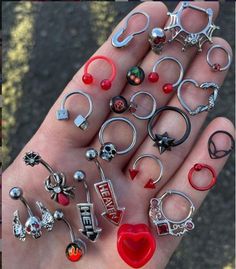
{"x": 133, "y": 254}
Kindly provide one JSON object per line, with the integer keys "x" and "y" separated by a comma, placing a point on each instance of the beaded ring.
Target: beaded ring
{"x": 105, "y": 83}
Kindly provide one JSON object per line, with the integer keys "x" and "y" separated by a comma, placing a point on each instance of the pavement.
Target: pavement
{"x": 63, "y": 37}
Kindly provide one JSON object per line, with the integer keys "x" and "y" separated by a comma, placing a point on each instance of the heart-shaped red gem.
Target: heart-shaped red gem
{"x": 135, "y": 244}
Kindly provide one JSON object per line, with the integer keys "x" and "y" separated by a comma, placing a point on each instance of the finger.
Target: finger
{"x": 168, "y": 73}
{"x": 175, "y": 126}
{"x": 177, "y": 210}
{"x": 122, "y": 58}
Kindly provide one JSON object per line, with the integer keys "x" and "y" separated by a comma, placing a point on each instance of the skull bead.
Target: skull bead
{"x": 33, "y": 227}
{"x": 108, "y": 151}
{"x": 157, "y": 39}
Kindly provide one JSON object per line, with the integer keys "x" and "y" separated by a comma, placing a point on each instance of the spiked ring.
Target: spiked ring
{"x": 163, "y": 141}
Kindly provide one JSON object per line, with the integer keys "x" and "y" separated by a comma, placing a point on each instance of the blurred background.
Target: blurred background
{"x": 45, "y": 43}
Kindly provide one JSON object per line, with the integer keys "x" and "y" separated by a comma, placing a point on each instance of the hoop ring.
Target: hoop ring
{"x": 198, "y": 167}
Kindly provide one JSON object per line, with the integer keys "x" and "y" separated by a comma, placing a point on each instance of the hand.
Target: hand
{"x": 63, "y": 146}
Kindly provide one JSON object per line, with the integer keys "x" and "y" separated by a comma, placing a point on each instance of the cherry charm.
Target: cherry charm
{"x": 135, "y": 76}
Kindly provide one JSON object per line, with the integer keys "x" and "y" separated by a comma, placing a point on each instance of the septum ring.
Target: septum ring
{"x": 80, "y": 121}
{"x": 119, "y": 104}
{"x": 217, "y": 66}
{"x": 165, "y": 142}
{"x": 164, "y": 225}
{"x": 115, "y": 38}
{"x": 105, "y": 83}
{"x": 154, "y": 77}
{"x": 198, "y": 167}
{"x": 187, "y": 38}
{"x": 151, "y": 182}
{"x": 108, "y": 150}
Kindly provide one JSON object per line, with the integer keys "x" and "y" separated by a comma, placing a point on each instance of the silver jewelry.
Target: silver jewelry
{"x": 157, "y": 39}
{"x": 151, "y": 182}
{"x": 80, "y": 121}
{"x": 33, "y": 225}
{"x": 119, "y": 104}
{"x": 181, "y": 73}
{"x": 217, "y": 66}
{"x": 186, "y": 38}
{"x": 55, "y": 183}
{"x": 204, "y": 86}
{"x": 164, "y": 225}
{"x": 109, "y": 150}
{"x": 115, "y": 38}
{"x": 77, "y": 248}
{"x": 87, "y": 216}
{"x": 105, "y": 192}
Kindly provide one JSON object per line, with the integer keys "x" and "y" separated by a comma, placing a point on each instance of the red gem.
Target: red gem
{"x": 28, "y": 229}
{"x": 153, "y": 77}
{"x": 189, "y": 225}
{"x": 150, "y": 184}
{"x": 216, "y": 67}
{"x": 198, "y": 167}
{"x": 105, "y": 84}
{"x": 159, "y": 40}
{"x": 73, "y": 252}
{"x": 162, "y": 228}
{"x": 167, "y": 88}
{"x": 62, "y": 199}
{"x": 133, "y": 173}
{"x": 87, "y": 78}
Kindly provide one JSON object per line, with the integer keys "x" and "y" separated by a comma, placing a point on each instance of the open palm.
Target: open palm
{"x": 63, "y": 146}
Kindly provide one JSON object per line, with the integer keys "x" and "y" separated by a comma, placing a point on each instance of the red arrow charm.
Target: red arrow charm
{"x": 114, "y": 217}
{"x": 150, "y": 184}
{"x": 133, "y": 173}
{"x": 106, "y": 193}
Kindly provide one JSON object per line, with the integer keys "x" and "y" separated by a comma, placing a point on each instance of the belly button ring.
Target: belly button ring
{"x": 76, "y": 249}
{"x": 87, "y": 216}
{"x": 33, "y": 225}
{"x": 55, "y": 183}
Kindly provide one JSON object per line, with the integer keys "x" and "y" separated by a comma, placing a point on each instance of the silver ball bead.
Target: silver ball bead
{"x": 15, "y": 193}
{"x": 58, "y": 214}
{"x": 156, "y": 33}
{"x": 79, "y": 175}
{"x": 91, "y": 154}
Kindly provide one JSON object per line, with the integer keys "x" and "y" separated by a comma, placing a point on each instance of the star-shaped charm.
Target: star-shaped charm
{"x": 163, "y": 142}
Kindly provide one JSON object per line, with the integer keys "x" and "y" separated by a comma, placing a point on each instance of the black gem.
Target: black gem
{"x": 163, "y": 142}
